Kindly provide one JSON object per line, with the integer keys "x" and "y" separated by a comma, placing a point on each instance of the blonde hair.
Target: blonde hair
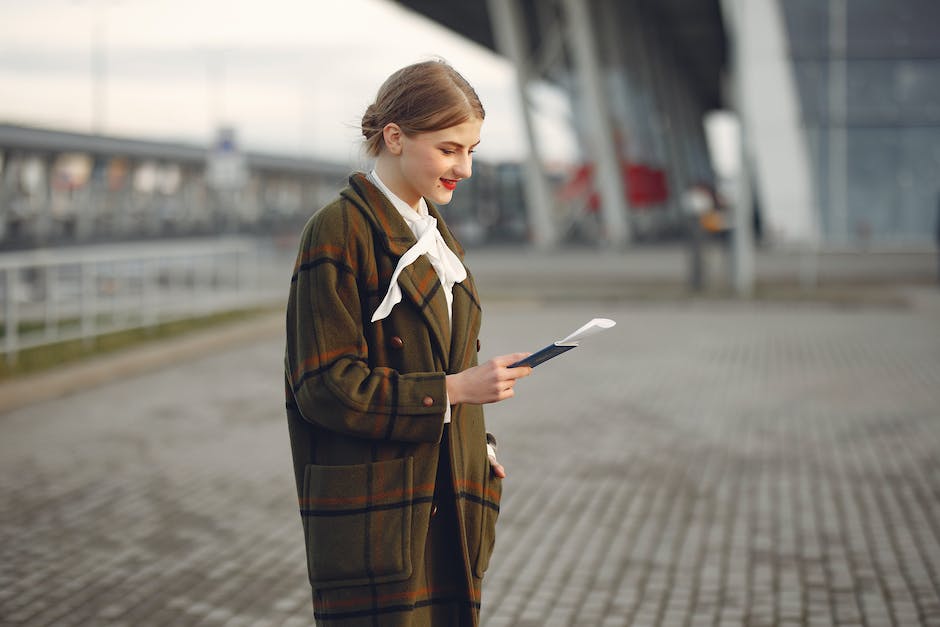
{"x": 419, "y": 98}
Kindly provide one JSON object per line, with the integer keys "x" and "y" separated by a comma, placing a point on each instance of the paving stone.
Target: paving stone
{"x": 703, "y": 464}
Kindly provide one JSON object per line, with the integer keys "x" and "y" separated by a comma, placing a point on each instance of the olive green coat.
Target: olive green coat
{"x": 365, "y": 409}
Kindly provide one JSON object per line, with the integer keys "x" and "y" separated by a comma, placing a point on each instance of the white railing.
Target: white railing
{"x": 55, "y": 295}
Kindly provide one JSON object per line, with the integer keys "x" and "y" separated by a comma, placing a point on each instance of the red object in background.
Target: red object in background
{"x": 646, "y": 185}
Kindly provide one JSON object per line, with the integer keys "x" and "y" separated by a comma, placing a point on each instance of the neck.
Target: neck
{"x": 387, "y": 169}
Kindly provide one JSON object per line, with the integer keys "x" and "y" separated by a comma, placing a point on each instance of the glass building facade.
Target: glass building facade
{"x": 868, "y": 77}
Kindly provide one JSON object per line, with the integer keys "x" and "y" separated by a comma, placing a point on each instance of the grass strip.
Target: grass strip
{"x": 39, "y": 358}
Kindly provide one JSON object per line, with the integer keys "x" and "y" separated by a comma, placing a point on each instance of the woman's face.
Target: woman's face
{"x": 432, "y": 164}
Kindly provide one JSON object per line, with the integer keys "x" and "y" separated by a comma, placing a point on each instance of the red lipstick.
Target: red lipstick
{"x": 449, "y": 184}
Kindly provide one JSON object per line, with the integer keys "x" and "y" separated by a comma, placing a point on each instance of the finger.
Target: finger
{"x": 518, "y": 373}
{"x": 498, "y": 469}
{"x": 506, "y": 360}
{"x": 509, "y": 375}
{"x": 499, "y": 395}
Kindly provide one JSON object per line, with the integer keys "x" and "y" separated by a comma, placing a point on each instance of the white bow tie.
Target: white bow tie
{"x": 448, "y": 266}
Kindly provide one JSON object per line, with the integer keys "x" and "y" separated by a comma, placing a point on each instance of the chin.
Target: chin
{"x": 441, "y": 196}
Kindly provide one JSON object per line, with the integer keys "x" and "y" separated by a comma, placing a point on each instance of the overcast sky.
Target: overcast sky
{"x": 292, "y": 76}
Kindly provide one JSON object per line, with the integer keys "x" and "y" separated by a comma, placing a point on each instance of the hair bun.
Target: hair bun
{"x": 369, "y": 122}
{"x": 419, "y": 98}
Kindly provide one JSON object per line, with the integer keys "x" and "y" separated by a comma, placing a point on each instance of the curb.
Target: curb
{"x": 60, "y": 382}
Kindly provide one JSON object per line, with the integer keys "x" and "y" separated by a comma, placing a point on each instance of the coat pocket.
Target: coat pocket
{"x": 489, "y": 512}
{"x": 357, "y": 522}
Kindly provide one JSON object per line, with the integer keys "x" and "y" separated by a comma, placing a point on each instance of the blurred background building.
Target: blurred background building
{"x": 778, "y": 125}
{"x": 868, "y": 79}
{"x": 65, "y": 188}
{"x": 838, "y": 100}
{"x": 840, "y": 140}
{"x": 772, "y": 462}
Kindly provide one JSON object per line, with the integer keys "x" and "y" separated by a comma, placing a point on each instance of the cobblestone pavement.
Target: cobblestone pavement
{"x": 699, "y": 464}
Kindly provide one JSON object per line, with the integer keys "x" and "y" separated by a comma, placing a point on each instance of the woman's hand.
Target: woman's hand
{"x": 495, "y": 466}
{"x": 490, "y": 382}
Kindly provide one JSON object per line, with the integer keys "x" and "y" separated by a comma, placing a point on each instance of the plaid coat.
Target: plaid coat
{"x": 365, "y": 410}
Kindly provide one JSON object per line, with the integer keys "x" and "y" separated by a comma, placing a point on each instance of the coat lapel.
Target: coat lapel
{"x": 466, "y": 309}
{"x": 419, "y": 282}
{"x": 466, "y": 325}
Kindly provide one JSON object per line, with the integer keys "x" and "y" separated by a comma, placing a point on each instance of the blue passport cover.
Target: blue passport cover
{"x": 543, "y": 355}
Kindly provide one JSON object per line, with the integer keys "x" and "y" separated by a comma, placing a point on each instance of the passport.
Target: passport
{"x": 596, "y": 325}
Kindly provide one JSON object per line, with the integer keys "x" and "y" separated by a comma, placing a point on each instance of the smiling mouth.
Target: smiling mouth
{"x": 449, "y": 184}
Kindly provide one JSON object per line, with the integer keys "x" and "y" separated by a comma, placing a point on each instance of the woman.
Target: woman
{"x": 398, "y": 491}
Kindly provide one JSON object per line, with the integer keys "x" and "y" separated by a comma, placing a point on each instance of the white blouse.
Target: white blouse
{"x": 448, "y": 266}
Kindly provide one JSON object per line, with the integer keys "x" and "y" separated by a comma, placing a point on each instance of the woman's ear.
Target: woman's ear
{"x": 392, "y": 135}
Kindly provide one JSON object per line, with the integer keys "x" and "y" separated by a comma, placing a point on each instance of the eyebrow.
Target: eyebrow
{"x": 458, "y": 144}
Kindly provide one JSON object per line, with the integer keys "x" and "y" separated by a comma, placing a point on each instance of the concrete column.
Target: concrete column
{"x": 607, "y": 171}
{"x": 510, "y": 36}
{"x": 742, "y": 241}
{"x": 767, "y": 103}
{"x": 836, "y": 120}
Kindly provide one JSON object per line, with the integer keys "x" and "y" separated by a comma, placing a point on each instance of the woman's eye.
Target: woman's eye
{"x": 447, "y": 152}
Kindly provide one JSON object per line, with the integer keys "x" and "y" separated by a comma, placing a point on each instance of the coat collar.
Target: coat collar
{"x": 419, "y": 282}
{"x": 390, "y": 228}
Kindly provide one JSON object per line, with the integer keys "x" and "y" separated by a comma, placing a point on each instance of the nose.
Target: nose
{"x": 464, "y": 166}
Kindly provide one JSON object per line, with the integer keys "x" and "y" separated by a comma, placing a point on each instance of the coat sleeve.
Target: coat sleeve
{"x": 327, "y": 357}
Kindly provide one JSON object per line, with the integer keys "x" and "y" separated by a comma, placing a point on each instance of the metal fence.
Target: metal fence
{"x": 51, "y": 296}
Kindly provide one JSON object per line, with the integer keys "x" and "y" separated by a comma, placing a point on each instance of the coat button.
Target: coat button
{"x": 397, "y": 342}
{"x": 478, "y": 346}
{"x": 427, "y": 401}
{"x": 433, "y": 510}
